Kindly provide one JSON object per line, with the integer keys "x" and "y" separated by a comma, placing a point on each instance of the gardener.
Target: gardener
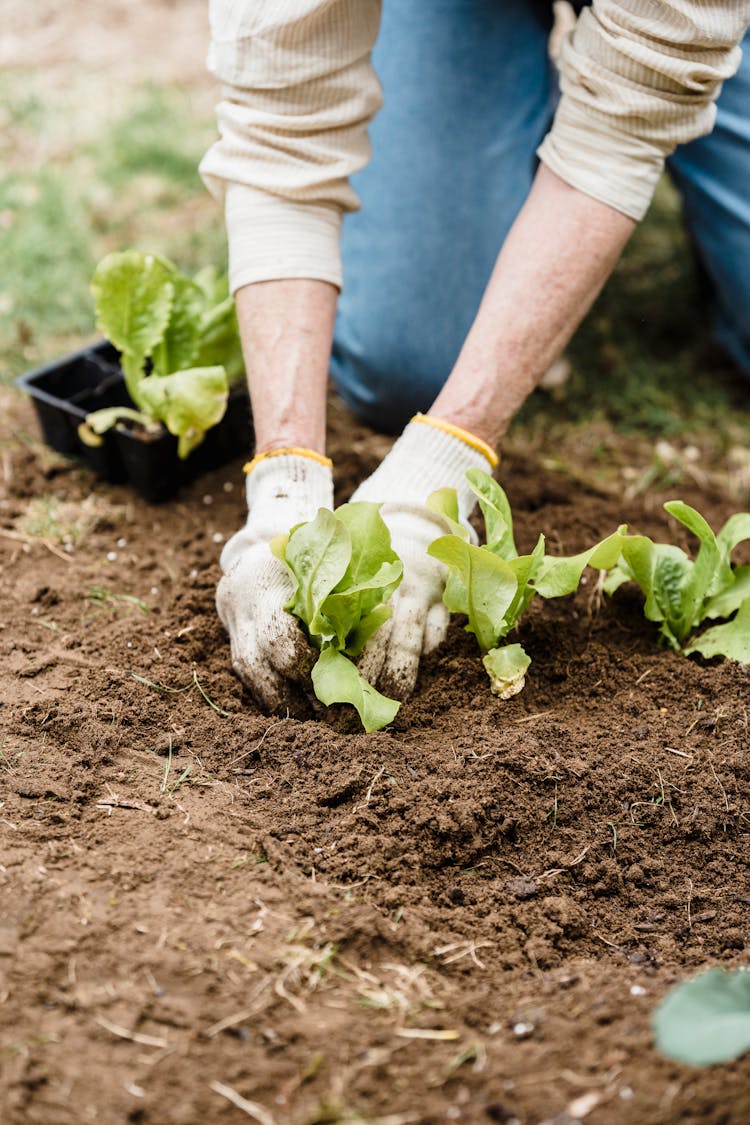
{"x": 432, "y": 318}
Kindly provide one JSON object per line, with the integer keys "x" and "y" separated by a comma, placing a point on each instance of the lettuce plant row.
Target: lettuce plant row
{"x": 344, "y": 570}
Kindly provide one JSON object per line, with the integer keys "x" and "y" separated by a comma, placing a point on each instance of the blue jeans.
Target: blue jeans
{"x": 469, "y": 94}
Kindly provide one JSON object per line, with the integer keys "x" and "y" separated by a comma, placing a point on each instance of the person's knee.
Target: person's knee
{"x": 385, "y": 379}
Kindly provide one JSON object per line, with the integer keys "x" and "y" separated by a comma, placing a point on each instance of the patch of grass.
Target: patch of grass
{"x": 158, "y": 136}
{"x": 104, "y": 599}
{"x": 48, "y": 259}
{"x": 51, "y": 519}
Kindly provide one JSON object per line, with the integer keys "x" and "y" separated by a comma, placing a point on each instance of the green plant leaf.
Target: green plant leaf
{"x": 731, "y": 640}
{"x": 187, "y": 402}
{"x": 506, "y": 667}
{"x": 373, "y": 573}
{"x": 318, "y": 553}
{"x": 214, "y": 285}
{"x": 663, "y": 572}
{"x": 560, "y": 576}
{"x": 219, "y": 339}
{"x": 498, "y": 518}
{"x": 732, "y": 597}
{"x": 178, "y": 348}
{"x": 735, "y": 530}
{"x": 371, "y": 544}
{"x": 488, "y": 582}
{"x": 525, "y": 568}
{"x": 444, "y": 502}
{"x": 617, "y": 576}
{"x": 360, "y": 634}
{"x": 99, "y": 421}
{"x": 706, "y": 1020}
{"x": 133, "y": 293}
{"x": 336, "y": 680}
{"x": 344, "y": 570}
{"x": 711, "y": 570}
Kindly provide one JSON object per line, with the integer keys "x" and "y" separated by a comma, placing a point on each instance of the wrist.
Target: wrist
{"x": 284, "y": 487}
{"x": 430, "y": 454}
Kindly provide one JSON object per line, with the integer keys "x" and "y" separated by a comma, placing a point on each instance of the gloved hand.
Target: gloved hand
{"x": 270, "y": 652}
{"x": 430, "y": 454}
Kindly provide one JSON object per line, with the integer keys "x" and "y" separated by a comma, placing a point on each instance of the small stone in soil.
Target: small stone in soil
{"x": 521, "y": 888}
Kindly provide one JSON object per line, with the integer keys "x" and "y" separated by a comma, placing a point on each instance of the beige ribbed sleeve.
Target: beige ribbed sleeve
{"x": 639, "y": 77}
{"x": 298, "y": 94}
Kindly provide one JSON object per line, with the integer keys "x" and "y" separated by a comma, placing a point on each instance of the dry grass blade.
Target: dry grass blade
{"x": 458, "y": 949}
{"x": 133, "y": 1036}
{"x": 398, "y": 987}
{"x": 238, "y": 1017}
{"x": 118, "y": 803}
{"x": 30, "y": 540}
{"x": 258, "y": 1112}
{"x": 390, "y": 1119}
{"x": 443, "y": 1035}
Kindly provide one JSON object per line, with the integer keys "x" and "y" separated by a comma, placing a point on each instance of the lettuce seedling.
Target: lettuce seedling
{"x": 682, "y": 593}
{"x": 181, "y": 330}
{"x": 344, "y": 570}
{"x": 706, "y": 1020}
{"x": 493, "y": 585}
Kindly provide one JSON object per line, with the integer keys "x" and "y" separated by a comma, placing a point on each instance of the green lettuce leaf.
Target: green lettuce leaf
{"x": 219, "y": 339}
{"x": 359, "y": 635}
{"x": 133, "y": 293}
{"x": 485, "y": 590}
{"x": 711, "y": 569}
{"x": 706, "y": 1020}
{"x": 506, "y": 667}
{"x": 731, "y": 640}
{"x": 444, "y": 502}
{"x": 680, "y": 592}
{"x": 187, "y": 402}
{"x": 214, "y": 284}
{"x": 731, "y": 598}
{"x": 344, "y": 569}
{"x": 663, "y": 572}
{"x": 736, "y": 530}
{"x": 336, "y": 680}
{"x": 178, "y": 347}
{"x": 374, "y": 569}
{"x": 99, "y": 421}
{"x": 558, "y": 576}
{"x": 496, "y": 510}
{"x": 318, "y": 554}
{"x": 525, "y": 568}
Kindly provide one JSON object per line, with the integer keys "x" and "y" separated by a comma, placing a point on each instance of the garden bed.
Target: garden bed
{"x": 469, "y": 916}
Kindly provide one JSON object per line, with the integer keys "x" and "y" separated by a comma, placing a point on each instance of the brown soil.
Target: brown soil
{"x": 468, "y": 917}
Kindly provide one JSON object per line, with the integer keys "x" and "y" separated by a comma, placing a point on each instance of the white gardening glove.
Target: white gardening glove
{"x": 430, "y": 454}
{"x": 270, "y": 653}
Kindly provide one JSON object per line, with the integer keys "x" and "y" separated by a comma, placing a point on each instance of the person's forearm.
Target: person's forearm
{"x": 558, "y": 254}
{"x": 287, "y": 332}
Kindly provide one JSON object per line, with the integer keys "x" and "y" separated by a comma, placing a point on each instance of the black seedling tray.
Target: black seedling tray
{"x": 66, "y": 390}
